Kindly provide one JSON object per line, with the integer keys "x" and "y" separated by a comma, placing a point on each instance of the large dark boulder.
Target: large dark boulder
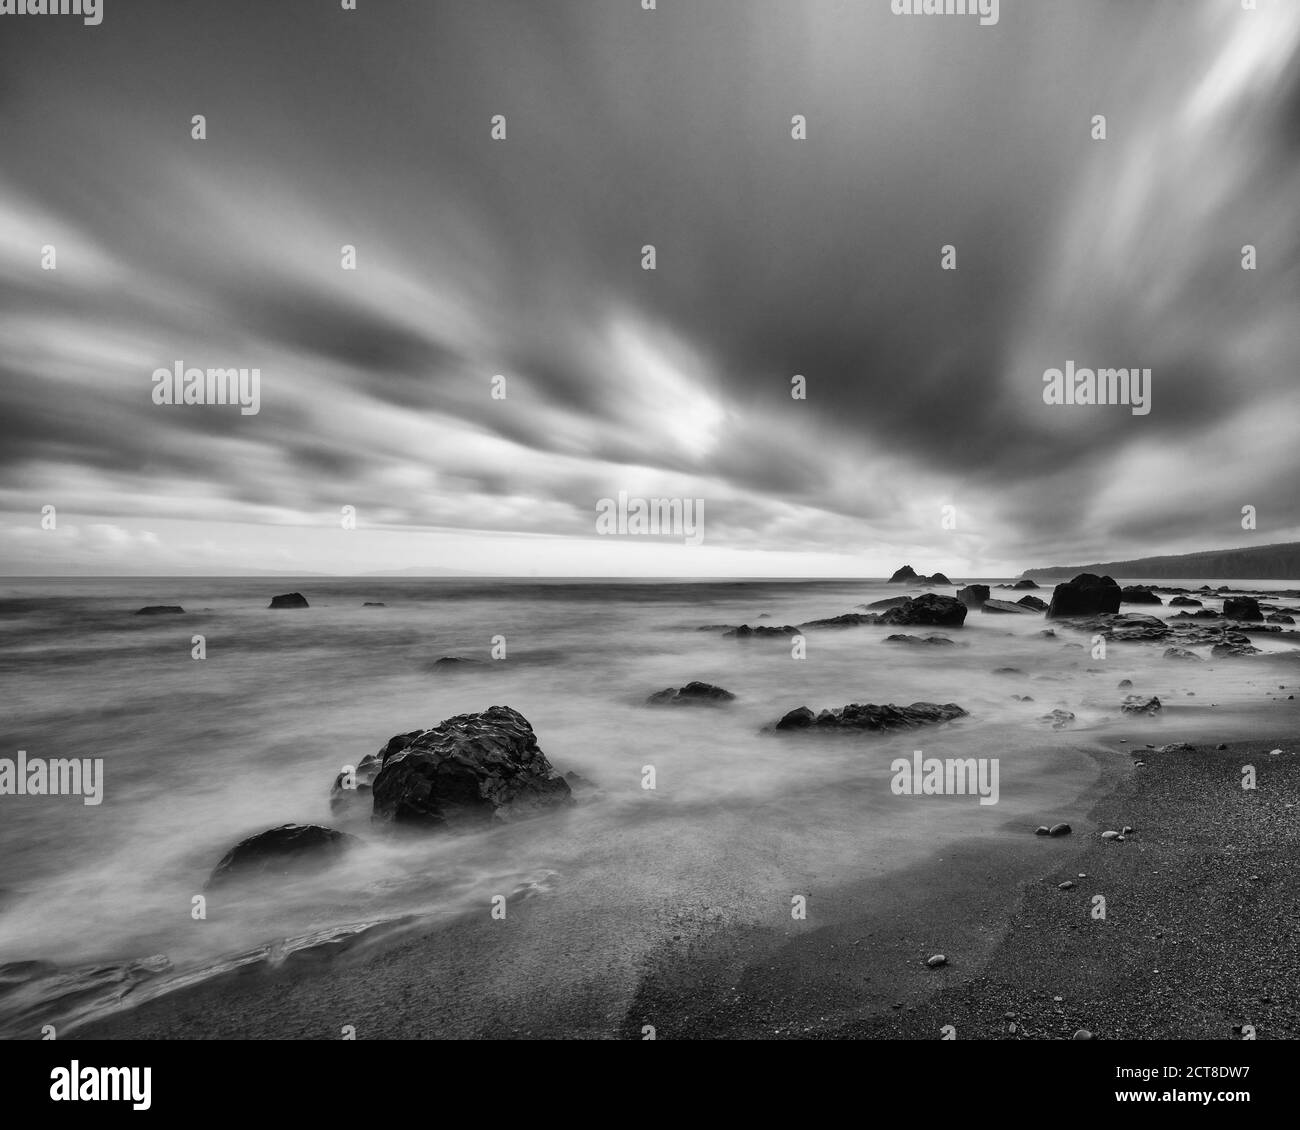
{"x": 289, "y": 849}
{"x": 973, "y": 596}
{"x": 693, "y": 694}
{"x": 468, "y": 770}
{"x": 1242, "y": 608}
{"x": 904, "y": 575}
{"x": 871, "y": 717}
{"x": 1139, "y": 594}
{"x": 289, "y": 600}
{"x": 1086, "y": 595}
{"x": 928, "y": 610}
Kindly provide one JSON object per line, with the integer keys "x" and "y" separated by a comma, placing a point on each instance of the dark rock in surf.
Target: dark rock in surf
{"x": 1181, "y": 653}
{"x": 1242, "y": 608}
{"x": 1137, "y": 704}
{"x": 472, "y": 769}
{"x": 973, "y": 596}
{"x": 289, "y": 600}
{"x": 160, "y": 610}
{"x": 903, "y": 576}
{"x": 872, "y": 718}
{"x": 848, "y": 620}
{"x": 1086, "y": 595}
{"x": 1139, "y": 594}
{"x": 930, "y": 610}
{"x": 1184, "y": 602}
{"x": 745, "y": 632}
{"x": 1232, "y": 650}
{"x": 1025, "y": 584}
{"x": 279, "y": 852}
{"x": 693, "y": 694}
{"x": 920, "y": 641}
{"x": 888, "y": 602}
{"x": 1007, "y": 607}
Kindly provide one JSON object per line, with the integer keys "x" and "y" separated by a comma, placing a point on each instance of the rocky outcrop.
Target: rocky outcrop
{"x": 905, "y": 575}
{"x": 1139, "y": 594}
{"x": 289, "y": 849}
{"x": 973, "y": 596}
{"x": 929, "y": 610}
{"x": 1242, "y": 608}
{"x": 1086, "y": 595}
{"x": 909, "y": 576}
{"x": 468, "y": 770}
{"x": 937, "y": 579}
{"x": 693, "y": 694}
{"x": 1007, "y": 607}
{"x": 763, "y": 631}
{"x": 872, "y": 718}
{"x": 289, "y": 600}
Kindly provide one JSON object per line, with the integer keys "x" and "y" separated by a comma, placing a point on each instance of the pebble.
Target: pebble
{"x": 1042, "y": 830}
{"x": 1083, "y": 1034}
{"x": 1110, "y": 835}
{"x": 1126, "y": 830}
{"x": 1221, "y": 745}
{"x": 1068, "y": 885}
{"x": 1059, "y": 830}
{"x": 937, "y": 960}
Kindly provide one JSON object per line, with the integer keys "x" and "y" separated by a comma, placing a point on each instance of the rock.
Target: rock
{"x": 1279, "y": 618}
{"x": 888, "y": 602}
{"x": 1037, "y": 603}
{"x": 1221, "y": 745}
{"x": 693, "y": 694}
{"x": 1059, "y": 719}
{"x": 160, "y": 610}
{"x": 1137, "y": 704}
{"x": 1139, "y": 594}
{"x": 580, "y": 784}
{"x": 1123, "y": 683}
{"x": 848, "y": 620}
{"x": 973, "y": 596}
{"x": 1042, "y": 830}
{"x": 455, "y": 663}
{"x": 1185, "y": 602}
{"x": 745, "y": 632}
{"x": 1059, "y": 830}
{"x": 1048, "y": 634}
{"x": 1086, "y": 595}
{"x": 1127, "y": 830}
{"x": 1109, "y": 835}
{"x": 1242, "y": 608}
{"x": 1068, "y": 885}
{"x": 1177, "y": 747}
{"x": 373, "y": 604}
{"x": 1181, "y": 653}
{"x": 937, "y": 960}
{"x": 938, "y": 579}
{"x": 470, "y": 769}
{"x": 1005, "y": 607}
{"x": 930, "y": 610}
{"x": 919, "y": 641}
{"x": 1015, "y": 671}
{"x": 765, "y": 615}
{"x": 1233, "y": 650}
{"x": 1026, "y": 583}
{"x": 281, "y": 851}
{"x": 871, "y": 717}
{"x": 289, "y": 600}
{"x": 1083, "y": 1034}
{"x": 362, "y": 780}
{"x": 903, "y": 575}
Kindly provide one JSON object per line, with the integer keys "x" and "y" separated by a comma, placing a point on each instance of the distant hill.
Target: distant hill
{"x": 1259, "y": 563}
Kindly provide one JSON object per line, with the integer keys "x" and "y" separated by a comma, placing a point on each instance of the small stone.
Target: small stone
{"x": 1221, "y": 745}
{"x": 937, "y": 960}
{"x": 1068, "y": 885}
{"x": 1059, "y": 830}
{"x": 1126, "y": 830}
{"x": 1109, "y": 835}
{"x": 1042, "y": 830}
{"x": 1275, "y": 753}
{"x": 1083, "y": 1034}
{"x": 1119, "y": 839}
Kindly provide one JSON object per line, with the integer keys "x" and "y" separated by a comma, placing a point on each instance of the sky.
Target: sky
{"x": 924, "y": 436}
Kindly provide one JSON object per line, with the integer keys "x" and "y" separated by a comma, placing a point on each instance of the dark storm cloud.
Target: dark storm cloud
{"x": 776, "y": 257}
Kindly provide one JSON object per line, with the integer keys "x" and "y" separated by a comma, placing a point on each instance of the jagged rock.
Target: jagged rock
{"x": 973, "y": 596}
{"x": 692, "y": 694}
{"x": 1005, "y": 607}
{"x": 1242, "y": 608}
{"x": 289, "y": 600}
{"x": 160, "y": 610}
{"x": 1086, "y": 595}
{"x": 872, "y": 717}
{"x": 281, "y": 851}
{"x": 1123, "y": 683}
{"x": 928, "y": 610}
{"x": 1138, "y": 704}
{"x": 904, "y": 575}
{"x": 1181, "y": 653}
{"x": 357, "y": 785}
{"x": 470, "y": 769}
{"x": 1037, "y": 603}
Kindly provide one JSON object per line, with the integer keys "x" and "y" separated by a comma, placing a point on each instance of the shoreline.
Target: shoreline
{"x": 1014, "y": 942}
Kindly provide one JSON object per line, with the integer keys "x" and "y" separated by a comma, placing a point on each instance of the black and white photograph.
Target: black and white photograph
{"x": 650, "y": 520}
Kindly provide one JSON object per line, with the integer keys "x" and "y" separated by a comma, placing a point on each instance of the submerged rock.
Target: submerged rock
{"x": 1233, "y": 650}
{"x": 1139, "y": 594}
{"x": 1181, "y": 653}
{"x": 763, "y": 631}
{"x": 160, "y": 610}
{"x": 470, "y": 769}
{"x": 1086, "y": 595}
{"x": 291, "y": 848}
{"x": 289, "y": 600}
{"x": 693, "y": 694}
{"x": 872, "y": 717}
{"x": 1026, "y": 583}
{"x": 1059, "y": 719}
{"x": 920, "y": 641}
